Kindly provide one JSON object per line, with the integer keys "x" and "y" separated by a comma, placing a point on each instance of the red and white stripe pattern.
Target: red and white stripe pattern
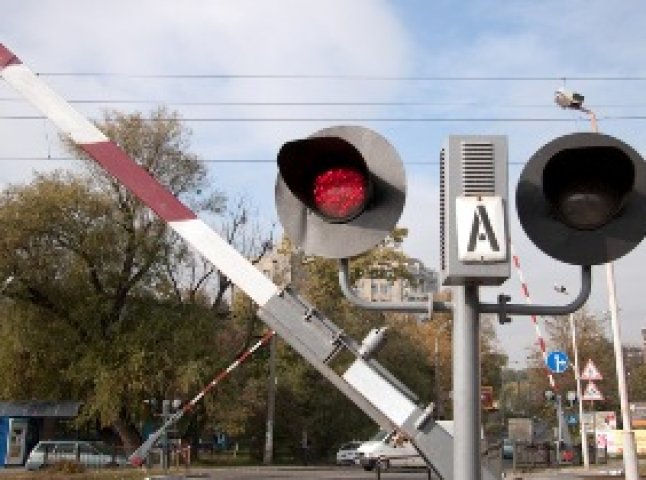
{"x": 136, "y": 179}
{"x": 528, "y": 300}
{"x": 138, "y": 457}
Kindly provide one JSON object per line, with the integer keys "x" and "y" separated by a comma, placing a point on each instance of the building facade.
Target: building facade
{"x": 420, "y": 284}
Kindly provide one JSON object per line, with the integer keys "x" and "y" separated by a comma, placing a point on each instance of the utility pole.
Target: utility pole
{"x": 268, "y": 457}
{"x": 574, "y": 101}
{"x": 631, "y": 464}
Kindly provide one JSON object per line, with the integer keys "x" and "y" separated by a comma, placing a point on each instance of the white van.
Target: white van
{"x": 390, "y": 449}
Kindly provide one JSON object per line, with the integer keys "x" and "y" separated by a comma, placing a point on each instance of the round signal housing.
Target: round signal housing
{"x": 340, "y": 191}
{"x": 581, "y": 198}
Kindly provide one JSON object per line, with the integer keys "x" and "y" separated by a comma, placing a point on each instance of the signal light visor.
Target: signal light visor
{"x": 329, "y": 175}
{"x": 587, "y": 186}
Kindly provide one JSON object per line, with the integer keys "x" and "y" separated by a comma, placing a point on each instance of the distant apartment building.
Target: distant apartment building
{"x": 421, "y": 282}
{"x": 285, "y": 269}
{"x": 278, "y": 266}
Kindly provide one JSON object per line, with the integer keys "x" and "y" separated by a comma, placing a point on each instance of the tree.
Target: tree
{"x": 304, "y": 398}
{"x": 111, "y": 293}
{"x": 593, "y": 343}
{"x": 637, "y": 383}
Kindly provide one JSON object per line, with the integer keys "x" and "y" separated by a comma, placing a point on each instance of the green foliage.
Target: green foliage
{"x": 637, "y": 383}
{"x": 592, "y": 343}
{"x": 99, "y": 312}
{"x": 110, "y": 308}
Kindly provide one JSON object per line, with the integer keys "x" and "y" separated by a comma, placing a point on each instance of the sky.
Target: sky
{"x": 249, "y": 75}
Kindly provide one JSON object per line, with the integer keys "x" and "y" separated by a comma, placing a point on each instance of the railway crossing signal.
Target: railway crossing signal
{"x": 340, "y": 191}
{"x": 582, "y": 198}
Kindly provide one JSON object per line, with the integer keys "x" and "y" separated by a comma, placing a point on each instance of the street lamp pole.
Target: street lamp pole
{"x": 630, "y": 448}
{"x": 574, "y": 101}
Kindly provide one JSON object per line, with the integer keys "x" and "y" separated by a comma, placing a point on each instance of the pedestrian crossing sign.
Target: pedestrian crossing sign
{"x": 591, "y": 372}
{"x": 592, "y": 393}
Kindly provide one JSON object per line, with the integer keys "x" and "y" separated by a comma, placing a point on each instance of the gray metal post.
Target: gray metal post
{"x": 436, "y": 368}
{"x": 268, "y": 457}
{"x": 165, "y": 415}
{"x": 466, "y": 384}
{"x": 559, "y": 435}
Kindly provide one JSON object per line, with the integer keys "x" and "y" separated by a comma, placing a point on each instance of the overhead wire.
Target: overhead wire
{"x": 368, "y": 103}
{"x": 208, "y": 160}
{"x": 252, "y": 103}
{"x": 393, "y": 119}
{"x": 361, "y": 119}
{"x": 360, "y": 77}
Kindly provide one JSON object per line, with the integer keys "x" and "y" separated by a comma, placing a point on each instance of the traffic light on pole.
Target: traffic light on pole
{"x": 340, "y": 191}
{"x": 582, "y": 198}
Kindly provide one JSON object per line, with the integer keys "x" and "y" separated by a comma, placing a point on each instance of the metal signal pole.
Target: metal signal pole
{"x": 466, "y": 383}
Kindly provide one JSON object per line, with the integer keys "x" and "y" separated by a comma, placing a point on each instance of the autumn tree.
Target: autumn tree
{"x": 593, "y": 343}
{"x": 104, "y": 294}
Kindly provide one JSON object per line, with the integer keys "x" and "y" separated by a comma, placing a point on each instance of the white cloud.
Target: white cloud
{"x": 244, "y": 37}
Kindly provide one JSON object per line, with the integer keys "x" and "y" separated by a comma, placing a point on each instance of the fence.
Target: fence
{"x": 543, "y": 455}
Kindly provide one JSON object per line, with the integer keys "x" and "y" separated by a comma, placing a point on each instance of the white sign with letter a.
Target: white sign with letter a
{"x": 481, "y": 229}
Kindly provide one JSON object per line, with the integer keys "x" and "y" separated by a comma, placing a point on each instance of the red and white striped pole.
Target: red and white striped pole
{"x": 138, "y": 457}
{"x": 138, "y": 181}
{"x": 528, "y": 300}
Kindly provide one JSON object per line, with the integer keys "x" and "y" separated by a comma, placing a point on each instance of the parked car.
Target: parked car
{"x": 348, "y": 454}
{"x": 90, "y": 454}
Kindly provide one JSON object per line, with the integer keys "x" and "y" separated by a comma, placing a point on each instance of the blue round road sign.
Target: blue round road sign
{"x": 557, "y": 361}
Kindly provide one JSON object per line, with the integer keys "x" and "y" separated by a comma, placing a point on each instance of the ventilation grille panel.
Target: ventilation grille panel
{"x": 478, "y": 174}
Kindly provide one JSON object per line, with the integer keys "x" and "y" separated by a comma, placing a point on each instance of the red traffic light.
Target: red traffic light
{"x": 327, "y": 174}
{"x": 340, "y": 194}
{"x": 340, "y": 191}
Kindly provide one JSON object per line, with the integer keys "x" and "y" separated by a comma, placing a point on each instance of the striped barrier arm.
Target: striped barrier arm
{"x": 136, "y": 179}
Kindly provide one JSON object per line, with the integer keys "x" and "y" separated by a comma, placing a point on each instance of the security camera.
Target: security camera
{"x": 568, "y": 99}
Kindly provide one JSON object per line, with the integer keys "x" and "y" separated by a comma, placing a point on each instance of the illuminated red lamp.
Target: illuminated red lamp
{"x": 340, "y": 193}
